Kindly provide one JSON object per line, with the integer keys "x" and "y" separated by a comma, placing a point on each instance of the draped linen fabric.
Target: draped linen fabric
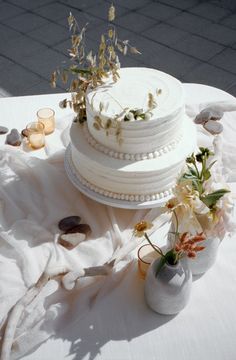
{"x": 104, "y": 317}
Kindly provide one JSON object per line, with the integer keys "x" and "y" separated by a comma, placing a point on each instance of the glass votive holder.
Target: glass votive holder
{"x": 146, "y": 254}
{"x": 47, "y": 117}
{"x": 35, "y": 135}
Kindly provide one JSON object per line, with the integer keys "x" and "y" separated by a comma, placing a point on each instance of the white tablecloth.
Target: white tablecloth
{"x": 113, "y": 323}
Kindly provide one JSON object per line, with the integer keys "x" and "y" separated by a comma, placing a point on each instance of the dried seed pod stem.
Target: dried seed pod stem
{"x": 88, "y": 69}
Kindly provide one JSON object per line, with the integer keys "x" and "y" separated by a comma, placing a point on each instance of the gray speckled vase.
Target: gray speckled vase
{"x": 168, "y": 292}
{"x": 205, "y": 258}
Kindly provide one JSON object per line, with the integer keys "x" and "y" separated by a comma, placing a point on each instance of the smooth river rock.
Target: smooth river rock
{"x": 3, "y": 130}
{"x": 13, "y": 138}
{"x": 24, "y": 132}
{"x": 69, "y": 241}
{"x": 68, "y": 223}
{"x": 81, "y": 228}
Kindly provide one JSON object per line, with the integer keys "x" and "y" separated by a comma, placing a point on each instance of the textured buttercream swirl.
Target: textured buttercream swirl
{"x": 131, "y": 91}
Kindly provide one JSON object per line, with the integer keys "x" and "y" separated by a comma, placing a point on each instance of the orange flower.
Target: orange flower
{"x": 188, "y": 244}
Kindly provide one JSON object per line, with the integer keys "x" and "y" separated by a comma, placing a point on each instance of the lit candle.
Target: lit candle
{"x": 47, "y": 117}
{"x": 35, "y": 135}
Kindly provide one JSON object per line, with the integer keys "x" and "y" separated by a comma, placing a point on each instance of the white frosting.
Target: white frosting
{"x": 131, "y": 91}
{"x": 127, "y": 156}
{"x": 145, "y": 166}
{"x": 130, "y": 178}
{"x": 119, "y": 196}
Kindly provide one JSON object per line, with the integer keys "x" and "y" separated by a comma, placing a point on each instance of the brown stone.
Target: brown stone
{"x": 81, "y": 228}
{"x": 69, "y": 241}
{"x": 24, "y": 132}
{"x": 68, "y": 223}
{"x": 3, "y": 130}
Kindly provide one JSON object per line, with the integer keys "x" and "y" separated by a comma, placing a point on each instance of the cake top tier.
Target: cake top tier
{"x": 132, "y": 91}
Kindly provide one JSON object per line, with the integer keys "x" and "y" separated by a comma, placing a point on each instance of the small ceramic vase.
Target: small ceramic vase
{"x": 205, "y": 258}
{"x": 167, "y": 290}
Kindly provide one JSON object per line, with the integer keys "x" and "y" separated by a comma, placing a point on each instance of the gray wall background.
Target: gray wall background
{"x": 194, "y": 40}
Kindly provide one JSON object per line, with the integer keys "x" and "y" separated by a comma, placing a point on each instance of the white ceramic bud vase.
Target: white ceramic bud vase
{"x": 205, "y": 258}
{"x": 168, "y": 291}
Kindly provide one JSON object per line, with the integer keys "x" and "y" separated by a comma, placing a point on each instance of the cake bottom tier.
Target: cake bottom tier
{"x": 143, "y": 180}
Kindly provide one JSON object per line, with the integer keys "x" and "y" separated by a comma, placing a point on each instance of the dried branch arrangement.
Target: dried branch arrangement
{"x": 88, "y": 69}
{"x": 127, "y": 114}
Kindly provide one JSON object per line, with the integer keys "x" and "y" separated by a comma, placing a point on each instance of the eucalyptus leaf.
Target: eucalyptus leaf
{"x": 211, "y": 199}
{"x": 189, "y": 176}
{"x": 213, "y": 163}
{"x": 206, "y": 174}
{"x": 192, "y": 171}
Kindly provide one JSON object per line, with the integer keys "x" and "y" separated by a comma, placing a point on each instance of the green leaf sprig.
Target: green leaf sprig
{"x": 199, "y": 173}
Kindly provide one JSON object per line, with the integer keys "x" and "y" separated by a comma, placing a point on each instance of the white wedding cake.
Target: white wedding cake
{"x": 136, "y": 138}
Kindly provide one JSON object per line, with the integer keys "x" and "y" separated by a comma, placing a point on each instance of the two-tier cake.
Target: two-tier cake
{"x": 136, "y": 138}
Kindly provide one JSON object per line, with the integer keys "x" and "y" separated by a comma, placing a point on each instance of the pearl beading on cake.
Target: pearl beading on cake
{"x": 119, "y": 196}
{"x": 127, "y": 156}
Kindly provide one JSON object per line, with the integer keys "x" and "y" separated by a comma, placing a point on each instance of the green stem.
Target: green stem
{"x": 203, "y": 167}
{"x": 79, "y": 71}
{"x": 177, "y": 224}
{"x": 156, "y": 248}
{"x": 198, "y": 174}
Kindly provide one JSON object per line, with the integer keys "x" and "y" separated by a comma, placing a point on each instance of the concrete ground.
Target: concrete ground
{"x": 194, "y": 40}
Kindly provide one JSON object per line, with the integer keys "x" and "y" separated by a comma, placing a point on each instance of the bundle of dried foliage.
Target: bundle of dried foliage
{"x": 90, "y": 70}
